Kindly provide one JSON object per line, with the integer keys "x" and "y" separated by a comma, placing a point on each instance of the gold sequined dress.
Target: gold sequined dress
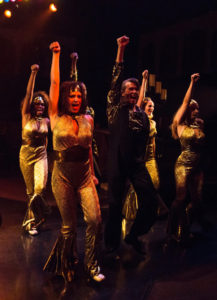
{"x": 188, "y": 177}
{"x": 34, "y": 166}
{"x": 72, "y": 180}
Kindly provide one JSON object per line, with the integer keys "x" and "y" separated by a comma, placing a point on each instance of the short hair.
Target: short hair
{"x": 133, "y": 80}
{"x": 65, "y": 89}
{"x": 45, "y": 98}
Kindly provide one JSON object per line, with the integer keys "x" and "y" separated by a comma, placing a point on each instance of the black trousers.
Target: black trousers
{"x": 138, "y": 175}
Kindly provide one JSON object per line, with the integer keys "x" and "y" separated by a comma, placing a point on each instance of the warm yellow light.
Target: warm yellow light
{"x": 7, "y": 13}
{"x": 1, "y": 1}
{"x": 53, "y": 7}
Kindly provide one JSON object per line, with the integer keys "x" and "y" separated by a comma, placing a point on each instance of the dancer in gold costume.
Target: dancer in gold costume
{"x": 33, "y": 153}
{"x": 73, "y": 176}
{"x": 188, "y": 128}
{"x": 131, "y": 205}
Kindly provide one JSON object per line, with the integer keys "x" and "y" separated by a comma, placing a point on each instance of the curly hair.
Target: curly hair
{"x": 45, "y": 98}
{"x": 65, "y": 89}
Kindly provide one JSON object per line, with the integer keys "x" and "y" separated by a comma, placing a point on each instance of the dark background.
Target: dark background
{"x": 91, "y": 29}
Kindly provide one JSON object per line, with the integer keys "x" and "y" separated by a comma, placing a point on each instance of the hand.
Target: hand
{"x": 74, "y": 56}
{"x": 55, "y": 47}
{"x": 145, "y": 74}
{"x": 123, "y": 41}
{"x": 195, "y": 77}
{"x": 35, "y": 68}
{"x": 95, "y": 180}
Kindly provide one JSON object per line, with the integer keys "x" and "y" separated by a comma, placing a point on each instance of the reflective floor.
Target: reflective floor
{"x": 165, "y": 273}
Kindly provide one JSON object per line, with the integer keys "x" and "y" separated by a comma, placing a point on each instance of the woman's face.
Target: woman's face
{"x": 39, "y": 106}
{"x": 74, "y": 101}
{"x": 149, "y": 108}
{"x": 194, "y": 111}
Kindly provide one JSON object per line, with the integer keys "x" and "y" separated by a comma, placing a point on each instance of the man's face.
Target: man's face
{"x": 131, "y": 92}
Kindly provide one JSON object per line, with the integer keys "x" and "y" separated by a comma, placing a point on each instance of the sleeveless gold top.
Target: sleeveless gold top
{"x": 192, "y": 141}
{"x": 34, "y": 140}
{"x": 64, "y": 136}
{"x": 150, "y": 144}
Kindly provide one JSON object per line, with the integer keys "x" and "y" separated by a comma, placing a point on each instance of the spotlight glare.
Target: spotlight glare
{"x": 7, "y": 13}
{"x": 1, "y": 1}
{"x": 53, "y": 7}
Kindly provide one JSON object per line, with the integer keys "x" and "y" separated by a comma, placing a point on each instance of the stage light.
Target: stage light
{"x": 53, "y": 7}
{"x": 1, "y": 1}
{"x": 7, "y": 13}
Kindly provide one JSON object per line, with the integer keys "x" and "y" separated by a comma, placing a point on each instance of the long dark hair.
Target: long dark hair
{"x": 65, "y": 89}
{"x": 45, "y": 98}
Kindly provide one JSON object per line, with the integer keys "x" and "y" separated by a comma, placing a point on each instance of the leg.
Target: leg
{"x": 61, "y": 260}
{"x": 147, "y": 201}
{"x": 178, "y": 227}
{"x": 28, "y": 175}
{"x": 92, "y": 216}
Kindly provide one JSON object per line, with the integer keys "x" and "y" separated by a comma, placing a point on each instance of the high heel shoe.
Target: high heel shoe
{"x": 96, "y": 277}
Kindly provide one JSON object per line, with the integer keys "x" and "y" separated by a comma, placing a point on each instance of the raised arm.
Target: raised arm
{"x": 143, "y": 88}
{"x": 54, "y": 81}
{"x": 74, "y": 71}
{"x": 29, "y": 94}
{"x": 178, "y": 118}
{"x": 114, "y": 93}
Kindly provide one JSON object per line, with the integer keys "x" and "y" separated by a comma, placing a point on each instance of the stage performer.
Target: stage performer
{"x": 131, "y": 204}
{"x": 33, "y": 153}
{"x": 129, "y": 131}
{"x": 73, "y": 176}
{"x": 188, "y": 128}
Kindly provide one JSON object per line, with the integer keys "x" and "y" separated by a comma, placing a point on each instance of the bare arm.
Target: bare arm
{"x": 122, "y": 42}
{"x": 95, "y": 180}
{"x": 143, "y": 87}
{"x": 54, "y": 81}
{"x": 183, "y": 108}
{"x": 29, "y": 94}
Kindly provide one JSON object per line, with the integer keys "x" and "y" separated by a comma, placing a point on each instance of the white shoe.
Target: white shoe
{"x": 99, "y": 277}
{"x": 33, "y": 231}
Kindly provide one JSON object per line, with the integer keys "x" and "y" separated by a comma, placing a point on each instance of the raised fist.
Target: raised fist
{"x": 123, "y": 40}
{"x": 55, "y": 47}
{"x": 35, "y": 68}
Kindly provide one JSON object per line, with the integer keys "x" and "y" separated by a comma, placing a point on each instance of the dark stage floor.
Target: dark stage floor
{"x": 163, "y": 274}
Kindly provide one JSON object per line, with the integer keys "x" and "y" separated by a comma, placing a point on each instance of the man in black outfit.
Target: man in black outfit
{"x": 129, "y": 131}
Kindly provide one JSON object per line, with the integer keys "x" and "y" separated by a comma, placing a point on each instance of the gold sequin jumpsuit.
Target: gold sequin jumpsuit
{"x": 131, "y": 205}
{"x": 189, "y": 177}
{"x": 72, "y": 180}
{"x": 34, "y": 166}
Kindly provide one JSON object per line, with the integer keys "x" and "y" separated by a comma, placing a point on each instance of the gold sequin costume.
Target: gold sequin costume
{"x": 71, "y": 179}
{"x": 34, "y": 167}
{"x": 189, "y": 177}
{"x": 131, "y": 206}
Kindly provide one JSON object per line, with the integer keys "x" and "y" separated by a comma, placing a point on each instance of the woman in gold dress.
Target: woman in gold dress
{"x": 33, "y": 153}
{"x": 73, "y": 176}
{"x": 188, "y": 128}
{"x": 131, "y": 206}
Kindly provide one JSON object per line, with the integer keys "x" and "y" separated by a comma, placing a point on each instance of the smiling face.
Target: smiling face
{"x": 39, "y": 106}
{"x": 74, "y": 101}
{"x": 149, "y": 108}
{"x": 131, "y": 92}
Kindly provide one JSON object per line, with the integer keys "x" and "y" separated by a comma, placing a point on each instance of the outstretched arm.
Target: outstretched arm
{"x": 143, "y": 87}
{"x": 183, "y": 108}
{"x": 122, "y": 42}
{"x": 54, "y": 80}
{"x": 29, "y": 94}
{"x": 114, "y": 94}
